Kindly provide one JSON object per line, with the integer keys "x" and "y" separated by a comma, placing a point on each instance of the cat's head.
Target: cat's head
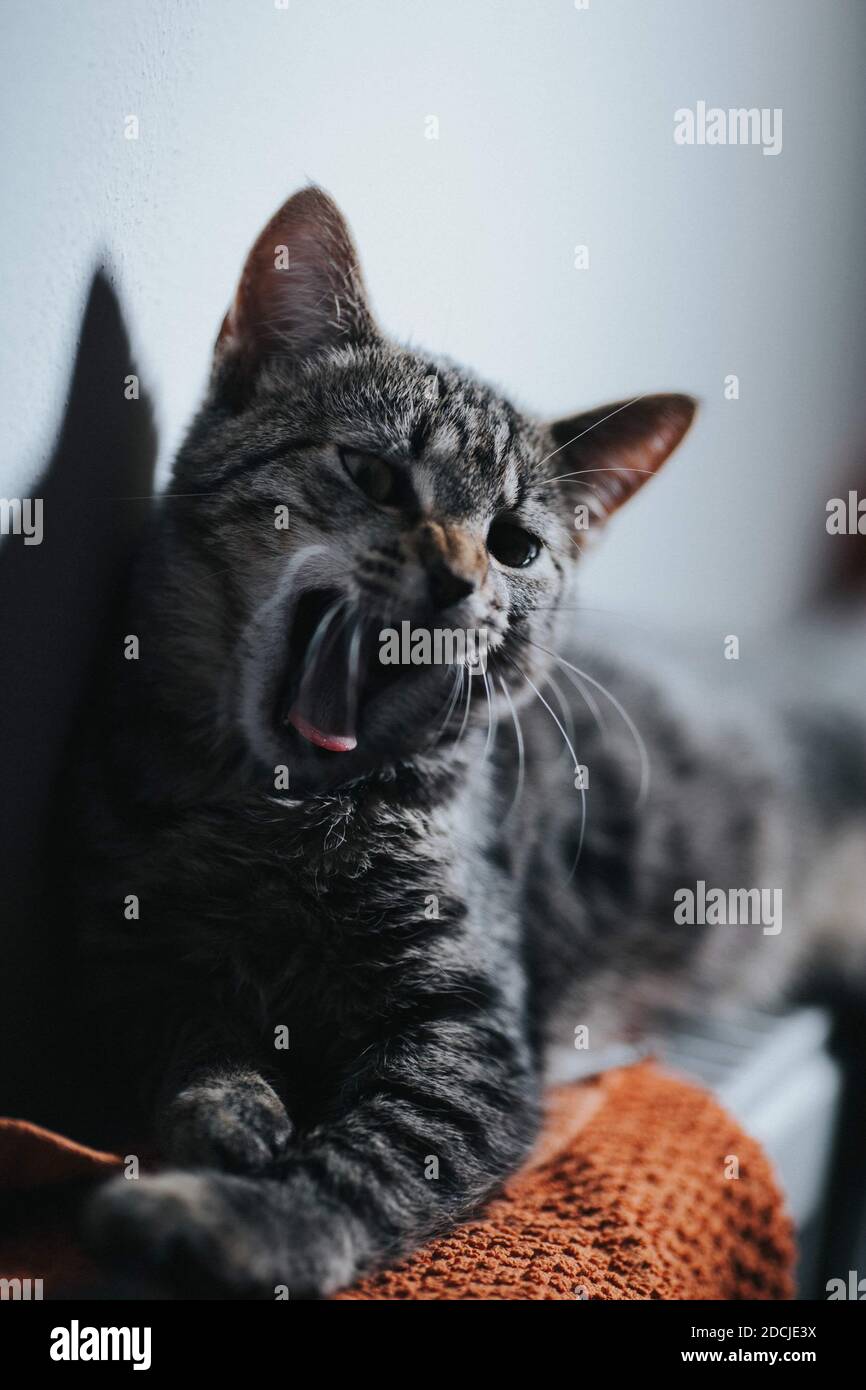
{"x": 344, "y": 487}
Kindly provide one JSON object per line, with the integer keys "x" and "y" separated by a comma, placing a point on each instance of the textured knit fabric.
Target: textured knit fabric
{"x": 625, "y": 1197}
{"x": 635, "y": 1204}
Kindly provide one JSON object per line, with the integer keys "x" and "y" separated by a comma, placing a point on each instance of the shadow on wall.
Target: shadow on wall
{"x": 56, "y": 600}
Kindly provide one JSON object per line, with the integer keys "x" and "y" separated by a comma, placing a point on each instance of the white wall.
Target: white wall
{"x": 555, "y": 128}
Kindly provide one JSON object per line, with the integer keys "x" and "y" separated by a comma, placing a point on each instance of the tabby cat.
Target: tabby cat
{"x": 334, "y": 912}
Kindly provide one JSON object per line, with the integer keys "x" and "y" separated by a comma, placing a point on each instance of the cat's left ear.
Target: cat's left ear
{"x": 603, "y": 456}
{"x": 301, "y": 291}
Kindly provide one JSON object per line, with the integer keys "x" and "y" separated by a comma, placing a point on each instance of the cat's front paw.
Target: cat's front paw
{"x": 233, "y": 1122}
{"x": 214, "y": 1235}
{"x": 177, "y": 1233}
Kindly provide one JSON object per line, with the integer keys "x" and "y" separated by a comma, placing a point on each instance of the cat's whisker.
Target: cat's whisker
{"x": 594, "y": 426}
{"x": 563, "y": 705}
{"x": 458, "y": 693}
{"x": 456, "y": 689}
{"x": 558, "y": 724}
{"x": 161, "y": 496}
{"x": 354, "y": 670}
{"x": 315, "y": 643}
{"x": 589, "y": 700}
{"x": 582, "y": 472}
{"x": 621, "y": 711}
{"x": 597, "y": 491}
{"x": 583, "y": 608}
{"x": 490, "y": 721}
{"x": 521, "y": 757}
{"x": 465, "y": 720}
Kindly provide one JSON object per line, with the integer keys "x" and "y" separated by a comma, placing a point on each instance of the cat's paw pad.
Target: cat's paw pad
{"x": 235, "y": 1123}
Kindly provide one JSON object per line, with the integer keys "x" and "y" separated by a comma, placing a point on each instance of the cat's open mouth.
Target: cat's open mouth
{"x": 332, "y": 672}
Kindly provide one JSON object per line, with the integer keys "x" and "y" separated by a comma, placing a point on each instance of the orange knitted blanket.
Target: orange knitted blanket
{"x": 641, "y": 1187}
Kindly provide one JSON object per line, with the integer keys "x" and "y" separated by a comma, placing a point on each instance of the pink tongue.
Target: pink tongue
{"x": 335, "y": 743}
{"x": 322, "y": 712}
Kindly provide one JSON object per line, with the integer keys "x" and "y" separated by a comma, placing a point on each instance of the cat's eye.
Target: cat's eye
{"x": 376, "y": 478}
{"x": 511, "y": 545}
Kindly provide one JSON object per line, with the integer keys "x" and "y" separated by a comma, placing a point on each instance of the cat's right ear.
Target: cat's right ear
{"x": 301, "y": 291}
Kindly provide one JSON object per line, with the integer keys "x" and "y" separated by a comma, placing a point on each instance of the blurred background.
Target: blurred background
{"x": 474, "y": 145}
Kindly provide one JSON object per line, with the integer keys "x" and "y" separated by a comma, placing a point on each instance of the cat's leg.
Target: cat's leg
{"x": 433, "y": 1119}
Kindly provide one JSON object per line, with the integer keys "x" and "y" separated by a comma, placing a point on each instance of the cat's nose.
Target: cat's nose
{"x": 454, "y": 561}
{"x": 446, "y": 588}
